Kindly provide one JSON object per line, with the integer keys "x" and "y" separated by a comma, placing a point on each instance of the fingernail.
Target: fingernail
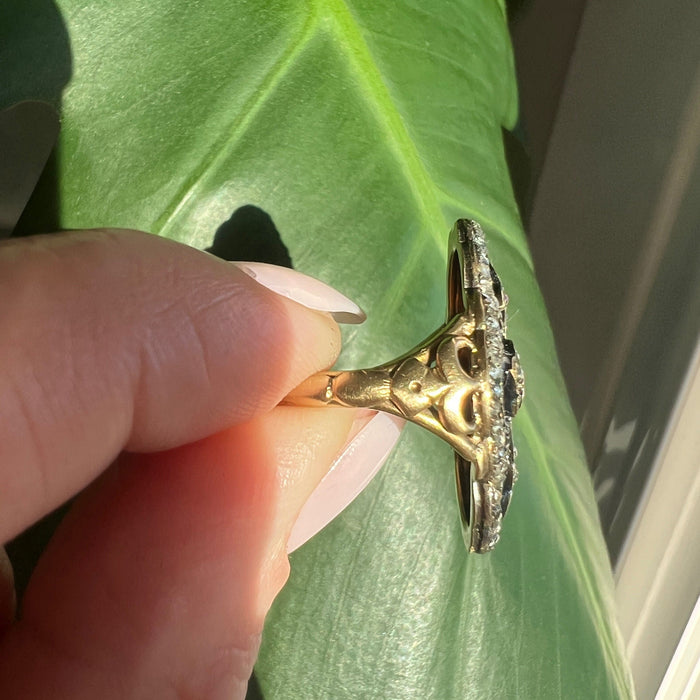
{"x": 349, "y": 474}
{"x": 305, "y": 290}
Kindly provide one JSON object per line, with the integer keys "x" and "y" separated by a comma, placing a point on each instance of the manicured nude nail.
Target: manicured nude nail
{"x": 351, "y": 471}
{"x": 305, "y": 290}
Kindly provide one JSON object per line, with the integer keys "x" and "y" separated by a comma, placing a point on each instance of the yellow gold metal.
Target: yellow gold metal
{"x": 427, "y": 386}
{"x": 463, "y": 383}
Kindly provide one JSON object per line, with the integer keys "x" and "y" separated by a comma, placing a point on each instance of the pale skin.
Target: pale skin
{"x": 144, "y": 376}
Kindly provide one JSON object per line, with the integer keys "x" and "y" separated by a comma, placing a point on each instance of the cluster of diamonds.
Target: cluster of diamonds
{"x": 500, "y": 471}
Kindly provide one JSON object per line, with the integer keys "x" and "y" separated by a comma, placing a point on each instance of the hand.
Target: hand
{"x": 144, "y": 376}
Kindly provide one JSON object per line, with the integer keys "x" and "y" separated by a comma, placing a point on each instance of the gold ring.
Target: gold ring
{"x": 464, "y": 383}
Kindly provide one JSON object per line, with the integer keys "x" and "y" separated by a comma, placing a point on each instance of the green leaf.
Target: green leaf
{"x": 364, "y": 128}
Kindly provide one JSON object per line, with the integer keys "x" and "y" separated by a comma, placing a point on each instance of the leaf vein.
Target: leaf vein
{"x": 218, "y": 152}
{"x": 388, "y": 115}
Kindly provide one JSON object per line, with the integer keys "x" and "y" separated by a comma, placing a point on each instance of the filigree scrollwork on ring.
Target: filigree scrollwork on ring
{"x": 464, "y": 383}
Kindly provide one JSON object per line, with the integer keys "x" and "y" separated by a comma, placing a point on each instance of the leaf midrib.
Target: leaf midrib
{"x": 387, "y": 114}
{"x": 339, "y": 19}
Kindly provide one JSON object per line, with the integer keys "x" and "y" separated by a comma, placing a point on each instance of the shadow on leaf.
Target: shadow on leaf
{"x": 250, "y": 234}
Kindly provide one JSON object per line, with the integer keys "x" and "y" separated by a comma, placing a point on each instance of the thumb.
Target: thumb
{"x": 158, "y": 581}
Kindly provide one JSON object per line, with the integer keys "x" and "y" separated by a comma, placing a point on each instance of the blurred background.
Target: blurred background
{"x": 606, "y": 171}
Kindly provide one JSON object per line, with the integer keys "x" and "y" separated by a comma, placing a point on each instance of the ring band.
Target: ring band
{"x": 464, "y": 383}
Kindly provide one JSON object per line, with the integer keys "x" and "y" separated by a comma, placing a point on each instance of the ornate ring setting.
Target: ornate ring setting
{"x": 464, "y": 383}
